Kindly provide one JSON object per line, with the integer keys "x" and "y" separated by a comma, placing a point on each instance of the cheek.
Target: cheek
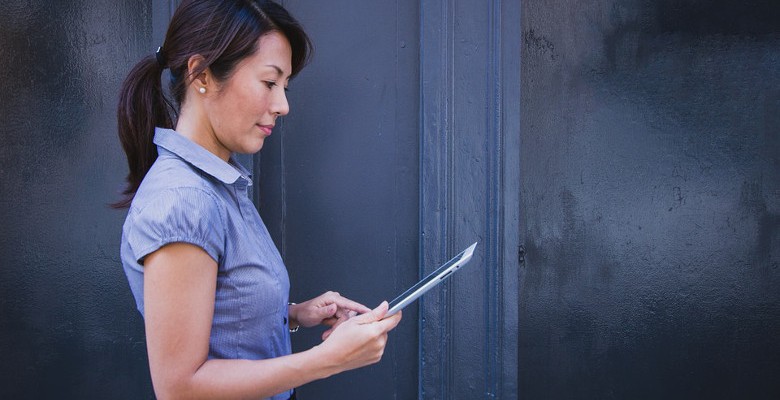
{"x": 251, "y": 104}
{"x": 240, "y": 109}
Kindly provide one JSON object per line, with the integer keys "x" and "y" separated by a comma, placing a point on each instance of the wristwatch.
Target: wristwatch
{"x": 292, "y": 330}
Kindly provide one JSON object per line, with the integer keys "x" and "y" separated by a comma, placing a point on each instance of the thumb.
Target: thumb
{"x": 327, "y": 311}
{"x": 373, "y": 315}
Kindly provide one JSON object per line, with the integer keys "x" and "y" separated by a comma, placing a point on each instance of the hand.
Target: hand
{"x": 361, "y": 340}
{"x": 336, "y": 321}
{"x": 329, "y": 308}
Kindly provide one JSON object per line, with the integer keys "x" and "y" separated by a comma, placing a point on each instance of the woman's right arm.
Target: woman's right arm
{"x": 179, "y": 290}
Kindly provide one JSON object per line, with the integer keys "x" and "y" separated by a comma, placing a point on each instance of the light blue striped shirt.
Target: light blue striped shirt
{"x": 190, "y": 195}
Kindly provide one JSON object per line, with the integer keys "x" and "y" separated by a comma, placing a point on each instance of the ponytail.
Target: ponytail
{"x": 142, "y": 107}
{"x": 223, "y": 33}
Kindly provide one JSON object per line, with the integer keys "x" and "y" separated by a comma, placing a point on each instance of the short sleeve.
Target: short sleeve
{"x": 180, "y": 215}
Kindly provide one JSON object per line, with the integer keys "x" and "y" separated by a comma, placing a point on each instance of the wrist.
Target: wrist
{"x": 326, "y": 366}
{"x": 292, "y": 317}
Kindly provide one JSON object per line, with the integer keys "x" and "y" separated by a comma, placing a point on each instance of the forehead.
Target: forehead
{"x": 273, "y": 49}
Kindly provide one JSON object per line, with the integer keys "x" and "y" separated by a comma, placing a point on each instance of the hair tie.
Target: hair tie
{"x": 160, "y": 57}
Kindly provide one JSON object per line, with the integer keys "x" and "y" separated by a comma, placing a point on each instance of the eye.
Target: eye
{"x": 270, "y": 84}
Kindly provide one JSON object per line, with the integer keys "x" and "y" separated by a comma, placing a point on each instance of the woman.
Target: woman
{"x": 204, "y": 272}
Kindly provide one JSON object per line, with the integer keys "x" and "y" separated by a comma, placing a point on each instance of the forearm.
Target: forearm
{"x": 251, "y": 379}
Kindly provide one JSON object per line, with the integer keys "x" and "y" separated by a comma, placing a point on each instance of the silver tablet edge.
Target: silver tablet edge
{"x": 468, "y": 253}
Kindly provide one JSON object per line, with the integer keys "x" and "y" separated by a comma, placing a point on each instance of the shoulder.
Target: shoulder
{"x": 173, "y": 190}
{"x": 171, "y": 172}
{"x": 183, "y": 210}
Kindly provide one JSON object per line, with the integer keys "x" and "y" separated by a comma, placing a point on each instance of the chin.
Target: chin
{"x": 251, "y": 148}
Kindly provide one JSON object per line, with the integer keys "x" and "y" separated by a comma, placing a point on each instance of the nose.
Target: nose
{"x": 280, "y": 106}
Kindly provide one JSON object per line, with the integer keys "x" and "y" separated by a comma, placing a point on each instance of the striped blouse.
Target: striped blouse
{"x": 190, "y": 195}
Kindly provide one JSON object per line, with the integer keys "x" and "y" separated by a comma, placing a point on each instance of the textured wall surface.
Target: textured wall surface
{"x": 68, "y": 325}
{"x": 339, "y": 181}
{"x": 650, "y": 187}
{"x": 397, "y": 155}
{"x": 469, "y": 144}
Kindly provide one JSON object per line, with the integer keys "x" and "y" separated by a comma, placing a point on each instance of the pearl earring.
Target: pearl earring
{"x": 202, "y": 90}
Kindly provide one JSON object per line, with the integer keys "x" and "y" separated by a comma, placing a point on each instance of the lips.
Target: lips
{"x": 266, "y": 129}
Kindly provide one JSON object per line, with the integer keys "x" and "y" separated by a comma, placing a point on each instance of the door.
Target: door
{"x": 400, "y": 150}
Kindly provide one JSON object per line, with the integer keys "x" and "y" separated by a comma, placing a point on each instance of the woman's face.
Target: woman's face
{"x": 243, "y": 111}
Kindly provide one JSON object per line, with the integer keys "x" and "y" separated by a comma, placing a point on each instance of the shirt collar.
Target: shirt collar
{"x": 199, "y": 157}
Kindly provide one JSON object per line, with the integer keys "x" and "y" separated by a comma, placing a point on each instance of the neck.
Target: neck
{"x": 194, "y": 125}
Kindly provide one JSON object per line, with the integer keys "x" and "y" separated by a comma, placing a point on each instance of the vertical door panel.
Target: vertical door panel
{"x": 469, "y": 193}
{"x": 339, "y": 179}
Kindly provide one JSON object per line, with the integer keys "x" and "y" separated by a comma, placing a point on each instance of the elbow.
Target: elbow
{"x": 171, "y": 394}
{"x": 167, "y": 393}
{"x": 173, "y": 389}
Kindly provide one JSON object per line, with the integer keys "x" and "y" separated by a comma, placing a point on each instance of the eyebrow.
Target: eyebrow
{"x": 278, "y": 70}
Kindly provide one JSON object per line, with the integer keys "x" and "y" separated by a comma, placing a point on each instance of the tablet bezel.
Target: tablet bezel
{"x": 434, "y": 278}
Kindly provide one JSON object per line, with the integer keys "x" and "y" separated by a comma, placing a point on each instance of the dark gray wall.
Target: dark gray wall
{"x": 650, "y": 199}
{"x": 398, "y": 154}
{"x": 68, "y": 326}
{"x": 339, "y": 181}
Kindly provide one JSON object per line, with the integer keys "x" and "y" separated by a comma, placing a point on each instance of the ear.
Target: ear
{"x": 194, "y": 64}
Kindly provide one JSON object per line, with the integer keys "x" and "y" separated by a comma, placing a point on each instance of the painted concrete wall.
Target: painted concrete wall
{"x": 650, "y": 199}
{"x": 397, "y": 155}
{"x": 339, "y": 182}
{"x": 68, "y": 327}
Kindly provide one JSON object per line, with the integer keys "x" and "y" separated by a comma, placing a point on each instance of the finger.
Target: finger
{"x": 346, "y": 314}
{"x": 390, "y": 322}
{"x": 335, "y": 325}
{"x": 342, "y": 313}
{"x": 348, "y": 304}
{"x": 325, "y": 299}
{"x": 381, "y": 310}
{"x": 326, "y": 312}
{"x": 373, "y": 315}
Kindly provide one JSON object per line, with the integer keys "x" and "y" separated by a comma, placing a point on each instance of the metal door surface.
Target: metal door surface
{"x": 400, "y": 150}
{"x": 338, "y": 183}
{"x": 651, "y": 200}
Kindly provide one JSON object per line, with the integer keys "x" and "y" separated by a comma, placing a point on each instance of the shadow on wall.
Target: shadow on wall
{"x": 651, "y": 25}
{"x": 748, "y": 18}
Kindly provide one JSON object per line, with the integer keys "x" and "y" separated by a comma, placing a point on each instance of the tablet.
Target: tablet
{"x": 433, "y": 279}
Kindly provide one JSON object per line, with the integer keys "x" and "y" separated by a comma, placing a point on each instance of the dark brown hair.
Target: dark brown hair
{"x": 223, "y": 32}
